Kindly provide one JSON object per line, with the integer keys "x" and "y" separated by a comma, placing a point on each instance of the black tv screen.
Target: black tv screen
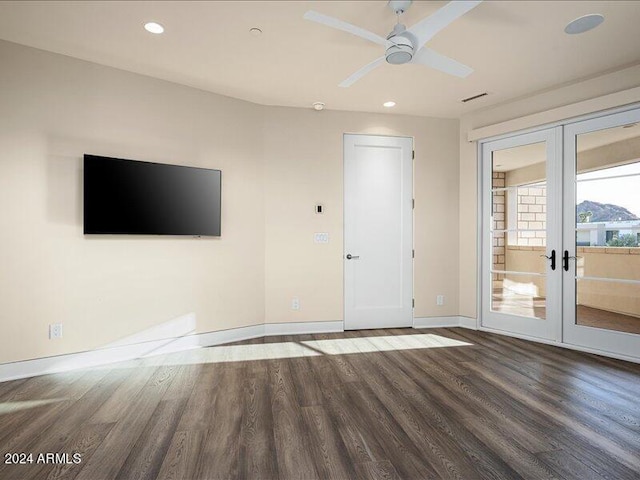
{"x": 144, "y": 198}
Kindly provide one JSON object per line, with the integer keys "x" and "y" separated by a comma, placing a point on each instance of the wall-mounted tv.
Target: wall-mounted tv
{"x": 143, "y": 198}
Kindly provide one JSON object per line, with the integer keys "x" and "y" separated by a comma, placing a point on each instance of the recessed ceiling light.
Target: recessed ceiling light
{"x": 153, "y": 27}
{"x": 318, "y": 106}
{"x": 255, "y": 31}
{"x": 389, "y": 104}
{"x": 584, "y": 24}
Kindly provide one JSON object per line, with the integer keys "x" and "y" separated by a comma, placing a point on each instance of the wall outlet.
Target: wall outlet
{"x": 440, "y": 300}
{"x": 321, "y": 238}
{"x": 295, "y": 303}
{"x": 55, "y": 331}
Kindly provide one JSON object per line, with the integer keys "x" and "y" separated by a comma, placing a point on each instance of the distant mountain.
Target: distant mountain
{"x": 603, "y": 212}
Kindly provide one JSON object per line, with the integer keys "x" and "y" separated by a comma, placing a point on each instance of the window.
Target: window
{"x": 611, "y": 234}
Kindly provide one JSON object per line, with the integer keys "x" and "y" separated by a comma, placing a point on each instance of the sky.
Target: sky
{"x": 624, "y": 192}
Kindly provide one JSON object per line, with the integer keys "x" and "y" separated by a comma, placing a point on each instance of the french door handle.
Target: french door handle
{"x": 552, "y": 257}
{"x": 349, "y": 256}
{"x": 565, "y": 260}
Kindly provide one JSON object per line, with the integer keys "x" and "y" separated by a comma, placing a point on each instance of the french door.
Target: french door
{"x": 601, "y": 285}
{"x": 561, "y": 234}
{"x": 522, "y": 234}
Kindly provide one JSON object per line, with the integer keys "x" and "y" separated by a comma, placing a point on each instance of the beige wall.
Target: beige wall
{"x": 276, "y": 162}
{"x": 104, "y": 289}
{"x": 303, "y": 153}
{"x": 597, "y": 94}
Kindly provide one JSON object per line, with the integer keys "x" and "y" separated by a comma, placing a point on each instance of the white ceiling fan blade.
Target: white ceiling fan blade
{"x": 362, "y": 72}
{"x": 427, "y": 28}
{"x": 432, "y": 59}
{"x": 345, "y": 27}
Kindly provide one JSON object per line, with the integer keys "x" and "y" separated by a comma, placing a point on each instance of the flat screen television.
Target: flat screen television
{"x": 143, "y": 198}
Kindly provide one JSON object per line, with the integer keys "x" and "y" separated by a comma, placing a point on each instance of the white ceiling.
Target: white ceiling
{"x": 516, "y": 48}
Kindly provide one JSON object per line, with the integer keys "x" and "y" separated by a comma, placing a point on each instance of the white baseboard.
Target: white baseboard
{"x": 468, "y": 322}
{"x": 120, "y": 353}
{"x": 440, "y": 322}
{"x": 300, "y": 328}
{"x": 210, "y": 339}
{"x": 436, "y": 322}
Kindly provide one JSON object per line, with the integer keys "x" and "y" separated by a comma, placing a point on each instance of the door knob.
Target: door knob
{"x": 349, "y": 256}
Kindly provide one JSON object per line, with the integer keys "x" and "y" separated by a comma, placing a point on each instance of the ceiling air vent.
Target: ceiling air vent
{"x": 475, "y": 97}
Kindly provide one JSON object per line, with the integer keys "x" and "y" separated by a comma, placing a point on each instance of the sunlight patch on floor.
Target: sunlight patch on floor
{"x": 306, "y": 348}
{"x": 247, "y": 353}
{"x": 341, "y": 346}
{"x": 12, "y": 407}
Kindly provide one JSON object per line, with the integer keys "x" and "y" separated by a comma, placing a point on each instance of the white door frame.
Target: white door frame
{"x": 620, "y": 343}
{"x": 551, "y": 327}
{"x": 372, "y": 316}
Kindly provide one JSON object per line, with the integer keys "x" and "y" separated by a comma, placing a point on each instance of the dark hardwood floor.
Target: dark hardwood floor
{"x": 387, "y": 404}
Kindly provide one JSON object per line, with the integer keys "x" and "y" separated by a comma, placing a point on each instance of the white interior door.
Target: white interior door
{"x": 521, "y": 234}
{"x": 602, "y": 234}
{"x": 378, "y": 231}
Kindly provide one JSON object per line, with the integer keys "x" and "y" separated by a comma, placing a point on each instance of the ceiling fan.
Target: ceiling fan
{"x": 406, "y": 45}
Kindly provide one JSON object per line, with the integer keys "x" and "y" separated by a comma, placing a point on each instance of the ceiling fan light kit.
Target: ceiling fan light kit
{"x": 401, "y": 49}
{"x": 404, "y": 45}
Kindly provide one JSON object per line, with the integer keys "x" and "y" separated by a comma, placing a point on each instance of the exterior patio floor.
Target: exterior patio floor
{"x": 529, "y": 306}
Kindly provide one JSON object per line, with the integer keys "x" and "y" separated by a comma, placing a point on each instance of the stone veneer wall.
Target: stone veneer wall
{"x": 532, "y": 215}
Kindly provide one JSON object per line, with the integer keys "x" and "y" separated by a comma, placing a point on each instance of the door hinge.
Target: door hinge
{"x": 413, "y": 303}
{"x": 413, "y": 154}
{"x": 413, "y": 203}
{"x": 413, "y": 254}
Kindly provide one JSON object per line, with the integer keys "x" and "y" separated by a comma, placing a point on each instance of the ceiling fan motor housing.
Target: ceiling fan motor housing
{"x": 402, "y": 49}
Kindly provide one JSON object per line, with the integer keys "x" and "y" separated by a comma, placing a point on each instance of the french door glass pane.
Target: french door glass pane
{"x": 522, "y": 295}
{"x": 519, "y": 230}
{"x": 607, "y": 221}
{"x": 608, "y": 304}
